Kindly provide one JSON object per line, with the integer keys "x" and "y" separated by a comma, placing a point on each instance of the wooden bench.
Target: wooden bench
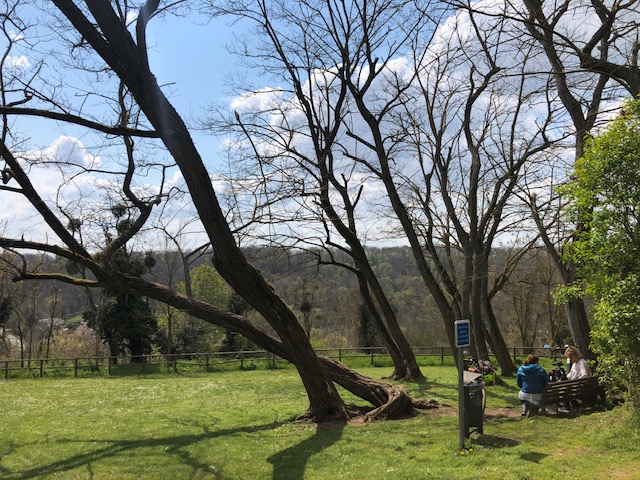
{"x": 588, "y": 390}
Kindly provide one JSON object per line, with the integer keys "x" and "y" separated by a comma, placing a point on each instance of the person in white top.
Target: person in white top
{"x": 579, "y": 366}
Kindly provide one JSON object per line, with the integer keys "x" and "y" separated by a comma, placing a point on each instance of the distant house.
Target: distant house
{"x": 11, "y": 339}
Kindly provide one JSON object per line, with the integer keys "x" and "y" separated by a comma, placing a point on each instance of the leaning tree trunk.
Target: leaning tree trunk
{"x": 410, "y": 369}
{"x": 111, "y": 39}
{"x": 445, "y": 308}
{"x": 477, "y": 322}
{"x": 496, "y": 340}
{"x": 494, "y": 335}
{"x": 389, "y": 401}
{"x": 399, "y": 365}
{"x": 575, "y": 308}
{"x": 579, "y": 325}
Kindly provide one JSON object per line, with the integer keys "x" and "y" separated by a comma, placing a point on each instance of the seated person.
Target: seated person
{"x": 531, "y": 379}
{"x": 579, "y": 366}
{"x": 579, "y": 369}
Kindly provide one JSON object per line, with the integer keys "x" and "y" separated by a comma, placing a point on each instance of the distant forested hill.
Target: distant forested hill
{"x": 326, "y": 298}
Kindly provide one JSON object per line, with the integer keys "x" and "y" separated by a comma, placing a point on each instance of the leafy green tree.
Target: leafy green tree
{"x": 192, "y": 335}
{"x": 207, "y": 285}
{"x": 233, "y": 342}
{"x": 605, "y": 195}
{"x": 129, "y": 323}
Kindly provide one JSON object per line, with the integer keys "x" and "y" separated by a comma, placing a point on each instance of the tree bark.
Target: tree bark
{"x": 496, "y": 342}
{"x": 399, "y": 365}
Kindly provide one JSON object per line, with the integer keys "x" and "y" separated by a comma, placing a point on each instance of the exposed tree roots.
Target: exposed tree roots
{"x": 389, "y": 401}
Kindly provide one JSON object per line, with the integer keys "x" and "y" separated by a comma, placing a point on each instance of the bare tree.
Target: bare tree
{"x": 608, "y": 47}
{"x": 53, "y": 304}
{"x": 468, "y": 120}
{"x": 100, "y": 27}
{"x": 528, "y": 298}
{"x": 609, "y": 50}
{"x": 177, "y": 261}
{"x": 301, "y": 146}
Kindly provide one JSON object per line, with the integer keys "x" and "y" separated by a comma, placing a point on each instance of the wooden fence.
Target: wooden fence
{"x": 127, "y": 365}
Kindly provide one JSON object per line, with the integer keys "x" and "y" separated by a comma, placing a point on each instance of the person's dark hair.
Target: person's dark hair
{"x": 531, "y": 358}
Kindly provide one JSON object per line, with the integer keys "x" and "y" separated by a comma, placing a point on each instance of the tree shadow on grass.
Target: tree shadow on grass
{"x": 507, "y": 399}
{"x": 427, "y": 388}
{"x": 420, "y": 387}
{"x": 534, "y": 457}
{"x": 172, "y": 446}
{"x": 493, "y": 441}
{"x": 290, "y": 463}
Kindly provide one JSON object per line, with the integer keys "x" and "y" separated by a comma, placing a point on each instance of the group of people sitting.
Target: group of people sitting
{"x": 532, "y": 378}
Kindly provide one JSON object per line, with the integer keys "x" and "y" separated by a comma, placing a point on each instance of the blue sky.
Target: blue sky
{"x": 193, "y": 58}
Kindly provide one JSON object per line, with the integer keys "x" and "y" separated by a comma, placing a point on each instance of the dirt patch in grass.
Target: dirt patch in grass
{"x": 492, "y": 414}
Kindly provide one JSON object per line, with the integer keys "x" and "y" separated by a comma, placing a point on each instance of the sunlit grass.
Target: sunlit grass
{"x": 240, "y": 425}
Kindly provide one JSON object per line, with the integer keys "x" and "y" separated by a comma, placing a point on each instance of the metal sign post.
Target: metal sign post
{"x": 463, "y": 339}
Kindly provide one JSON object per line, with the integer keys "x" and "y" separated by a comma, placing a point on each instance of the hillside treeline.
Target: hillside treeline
{"x": 46, "y": 318}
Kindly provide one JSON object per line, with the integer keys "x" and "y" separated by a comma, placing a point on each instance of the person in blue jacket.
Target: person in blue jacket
{"x": 531, "y": 379}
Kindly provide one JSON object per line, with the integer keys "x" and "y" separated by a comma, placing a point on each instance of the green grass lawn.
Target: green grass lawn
{"x": 240, "y": 425}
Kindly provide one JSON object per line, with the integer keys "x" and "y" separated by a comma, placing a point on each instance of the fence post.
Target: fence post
{"x": 41, "y": 368}
{"x": 75, "y": 367}
{"x": 6, "y": 370}
{"x": 340, "y": 355}
{"x": 442, "y": 355}
{"x": 371, "y": 350}
{"x": 514, "y": 355}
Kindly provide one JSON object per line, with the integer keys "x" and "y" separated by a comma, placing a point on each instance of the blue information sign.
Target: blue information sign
{"x": 463, "y": 334}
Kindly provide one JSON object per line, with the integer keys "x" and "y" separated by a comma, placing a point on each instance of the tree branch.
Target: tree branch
{"x": 77, "y": 120}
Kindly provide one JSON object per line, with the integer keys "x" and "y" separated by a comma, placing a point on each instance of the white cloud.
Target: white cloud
{"x": 262, "y": 99}
{"x": 53, "y": 172}
{"x": 69, "y": 151}
{"x": 20, "y": 62}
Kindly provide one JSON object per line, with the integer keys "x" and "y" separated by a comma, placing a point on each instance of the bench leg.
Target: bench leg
{"x": 529, "y": 409}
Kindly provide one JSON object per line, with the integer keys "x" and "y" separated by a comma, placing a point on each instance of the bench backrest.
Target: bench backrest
{"x": 572, "y": 389}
